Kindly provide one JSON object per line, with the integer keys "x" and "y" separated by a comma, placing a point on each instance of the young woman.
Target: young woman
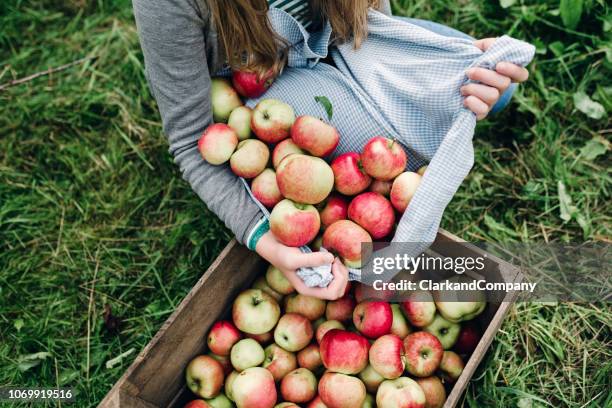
{"x": 185, "y": 42}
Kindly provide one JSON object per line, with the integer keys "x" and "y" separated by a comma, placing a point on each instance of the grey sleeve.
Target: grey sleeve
{"x": 173, "y": 42}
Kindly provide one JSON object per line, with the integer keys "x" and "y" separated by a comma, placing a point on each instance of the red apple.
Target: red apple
{"x": 284, "y": 149}
{"x": 327, "y": 326}
{"x": 255, "y": 312}
{"x": 402, "y": 392}
{"x": 335, "y": 209}
{"x": 224, "y": 99}
{"x": 250, "y": 158}
{"x": 293, "y": 332}
{"x": 469, "y": 337}
{"x": 374, "y": 213}
{"x": 299, "y": 386}
{"x": 315, "y": 136}
{"x": 403, "y": 189}
{"x": 365, "y": 292}
{"x": 197, "y": 404}
{"x": 371, "y": 378}
{"x": 279, "y": 361}
{"x": 435, "y": 394}
{"x": 240, "y": 121}
{"x": 349, "y": 176}
{"x": 383, "y": 158}
{"x": 451, "y": 366}
{"x": 387, "y": 356}
{"x": 254, "y": 388}
{"x": 305, "y": 179}
{"x": 308, "y": 306}
{"x": 317, "y": 402}
{"x": 423, "y": 353}
{"x": 263, "y": 338}
{"x": 204, "y": 376}
{"x": 265, "y": 188}
{"x": 341, "y": 391}
{"x": 224, "y": 361}
{"x": 381, "y": 187}
{"x": 277, "y": 281}
{"x": 294, "y": 224}
{"x": 252, "y": 84}
{"x": 340, "y": 309}
{"x": 272, "y": 120}
{"x": 419, "y": 308}
{"x": 344, "y": 352}
{"x": 400, "y": 326}
{"x": 222, "y": 336}
{"x": 373, "y": 318}
{"x": 217, "y": 143}
{"x": 310, "y": 357}
{"x": 345, "y": 238}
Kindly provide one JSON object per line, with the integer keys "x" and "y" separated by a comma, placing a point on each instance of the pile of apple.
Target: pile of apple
{"x": 284, "y": 349}
{"x": 357, "y": 196}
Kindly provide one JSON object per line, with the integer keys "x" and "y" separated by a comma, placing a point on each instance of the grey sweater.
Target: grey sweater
{"x": 181, "y": 51}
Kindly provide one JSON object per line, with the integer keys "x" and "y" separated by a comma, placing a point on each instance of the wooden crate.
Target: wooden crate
{"x": 156, "y": 377}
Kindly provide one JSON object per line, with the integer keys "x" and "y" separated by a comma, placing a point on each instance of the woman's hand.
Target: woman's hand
{"x": 481, "y": 97}
{"x": 289, "y": 259}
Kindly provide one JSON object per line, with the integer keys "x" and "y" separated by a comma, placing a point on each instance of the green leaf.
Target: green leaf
{"x": 325, "y": 102}
{"x": 589, "y": 107}
{"x": 24, "y": 363}
{"x": 507, "y": 3}
{"x": 571, "y": 11}
{"x": 595, "y": 148}
{"x": 495, "y": 226}
{"x": 557, "y": 48}
{"x": 18, "y": 324}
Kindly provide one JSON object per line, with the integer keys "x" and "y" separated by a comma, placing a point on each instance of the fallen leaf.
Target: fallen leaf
{"x": 589, "y": 107}
{"x": 25, "y": 362}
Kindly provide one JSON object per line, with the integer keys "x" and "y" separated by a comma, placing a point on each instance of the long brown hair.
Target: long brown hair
{"x": 246, "y": 36}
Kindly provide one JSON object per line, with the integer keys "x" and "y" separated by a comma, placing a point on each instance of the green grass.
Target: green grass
{"x": 94, "y": 214}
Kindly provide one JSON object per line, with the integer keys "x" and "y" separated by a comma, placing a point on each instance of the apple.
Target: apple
{"x": 224, "y": 361}
{"x": 222, "y": 336}
{"x": 451, "y": 366}
{"x": 305, "y": 179}
{"x": 400, "y": 326}
{"x": 453, "y": 307}
{"x": 317, "y": 402}
{"x": 284, "y": 149}
{"x": 373, "y": 318}
{"x": 277, "y": 281}
{"x": 447, "y": 332}
{"x": 308, "y": 306}
{"x": 371, "y": 378}
{"x": 423, "y": 352}
{"x": 217, "y": 143}
{"x": 468, "y": 339}
{"x": 403, "y": 392}
{"x": 341, "y": 391}
{"x": 240, "y": 121}
{"x": 255, "y": 312}
{"x": 286, "y": 405}
{"x": 224, "y": 99}
{"x": 250, "y": 158}
{"x": 272, "y": 119}
{"x": 294, "y": 224}
{"x": 262, "y": 284}
{"x": 204, "y": 376}
{"x": 315, "y": 136}
{"x": 310, "y": 357}
{"x": 435, "y": 394}
{"x": 386, "y": 356}
{"x": 293, "y": 332}
{"x": 344, "y": 352}
{"x": 340, "y": 309}
{"x": 263, "y": 338}
{"x": 349, "y": 176}
{"x": 374, "y": 213}
{"x": 365, "y": 292}
{"x": 299, "y": 386}
{"x": 403, "y": 189}
{"x": 252, "y": 84}
{"x": 368, "y": 402}
{"x": 246, "y": 353}
{"x": 381, "y": 187}
{"x": 317, "y": 243}
{"x": 345, "y": 238}
{"x": 265, "y": 189}
{"x": 220, "y": 401}
{"x": 279, "y": 361}
{"x": 419, "y": 308}
{"x": 229, "y": 381}
{"x": 254, "y": 388}
{"x": 383, "y": 158}
{"x": 335, "y": 208}
{"x": 327, "y": 326}
{"x": 197, "y": 404}
{"x": 421, "y": 170}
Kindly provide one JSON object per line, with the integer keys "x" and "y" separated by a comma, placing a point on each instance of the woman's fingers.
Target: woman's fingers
{"x": 487, "y": 94}
{"x": 491, "y": 78}
{"x": 477, "y": 106}
{"x": 312, "y": 259}
{"x": 485, "y": 43}
{"x": 515, "y": 72}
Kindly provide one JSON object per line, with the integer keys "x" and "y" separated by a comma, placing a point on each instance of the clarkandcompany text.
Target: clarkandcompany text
{"x": 481, "y": 284}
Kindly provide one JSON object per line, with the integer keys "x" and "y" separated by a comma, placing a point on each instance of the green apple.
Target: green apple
{"x": 368, "y": 402}
{"x": 240, "y": 121}
{"x": 246, "y": 353}
{"x": 220, "y": 401}
{"x": 224, "y": 99}
{"x": 452, "y": 306}
{"x": 447, "y": 332}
